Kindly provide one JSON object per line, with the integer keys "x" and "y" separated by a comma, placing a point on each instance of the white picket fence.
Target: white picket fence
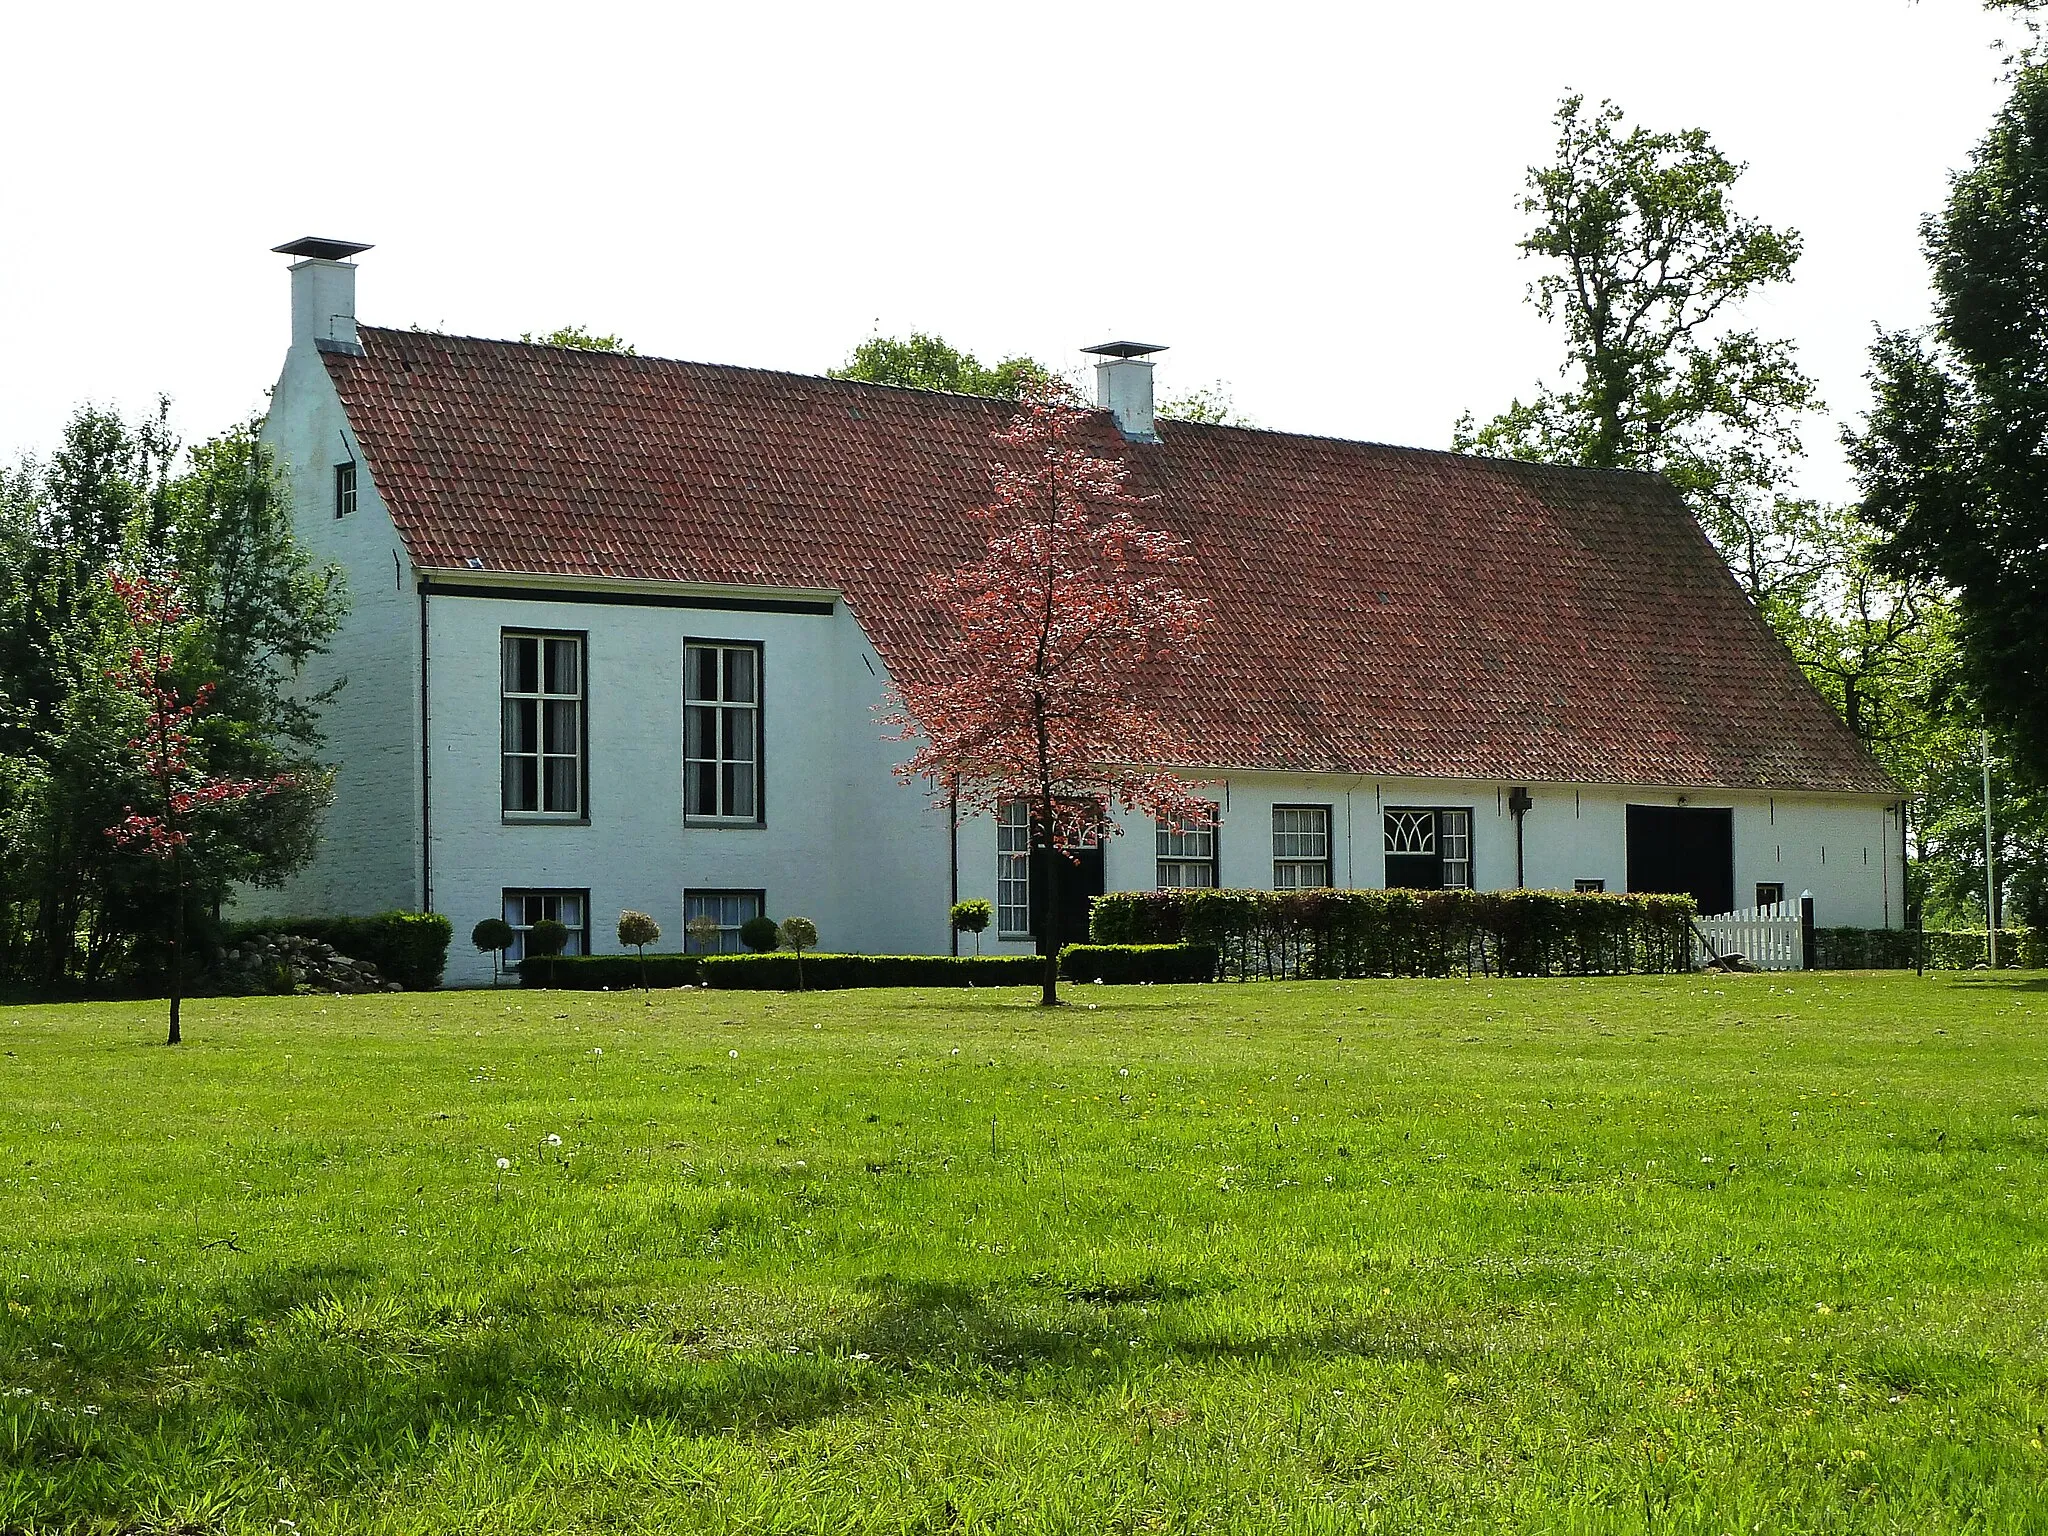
{"x": 1769, "y": 938}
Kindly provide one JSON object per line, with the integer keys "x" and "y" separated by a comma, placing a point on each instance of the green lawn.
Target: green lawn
{"x": 1672, "y": 1254}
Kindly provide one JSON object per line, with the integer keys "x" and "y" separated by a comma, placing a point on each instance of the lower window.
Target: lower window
{"x": 1187, "y": 857}
{"x": 1013, "y": 869}
{"x": 569, "y": 908}
{"x": 1429, "y": 848}
{"x": 1770, "y": 893}
{"x": 1301, "y": 847}
{"x": 1589, "y": 887}
{"x": 725, "y": 911}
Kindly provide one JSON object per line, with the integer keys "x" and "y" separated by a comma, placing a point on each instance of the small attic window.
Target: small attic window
{"x": 344, "y": 488}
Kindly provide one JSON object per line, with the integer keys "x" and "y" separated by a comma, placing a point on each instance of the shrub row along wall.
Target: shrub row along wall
{"x": 410, "y": 948}
{"x": 1936, "y": 949}
{"x": 1324, "y": 933}
{"x": 778, "y": 972}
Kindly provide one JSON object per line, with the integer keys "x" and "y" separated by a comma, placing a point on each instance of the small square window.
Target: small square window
{"x": 1589, "y": 887}
{"x": 344, "y": 488}
{"x": 1770, "y": 893}
{"x": 728, "y": 910}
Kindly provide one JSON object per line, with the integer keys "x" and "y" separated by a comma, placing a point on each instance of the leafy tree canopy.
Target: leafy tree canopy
{"x": 1645, "y": 261}
{"x": 1953, "y": 456}
{"x": 919, "y": 361}
{"x": 580, "y": 339}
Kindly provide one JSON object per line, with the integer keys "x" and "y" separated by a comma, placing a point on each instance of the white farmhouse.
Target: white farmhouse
{"x": 620, "y": 625}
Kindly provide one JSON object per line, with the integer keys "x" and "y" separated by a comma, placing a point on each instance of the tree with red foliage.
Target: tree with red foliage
{"x": 1060, "y": 620}
{"x": 182, "y": 792}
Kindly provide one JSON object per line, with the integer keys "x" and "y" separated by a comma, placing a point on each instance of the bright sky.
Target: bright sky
{"x": 1313, "y": 203}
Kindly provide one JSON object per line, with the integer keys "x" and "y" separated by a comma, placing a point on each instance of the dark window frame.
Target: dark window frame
{"x": 760, "y": 707}
{"x": 517, "y": 952}
{"x": 544, "y": 818}
{"x": 760, "y": 899}
{"x": 1439, "y": 837}
{"x": 1329, "y": 858}
{"x": 1589, "y": 887}
{"x": 345, "y": 488}
{"x": 1777, "y": 900}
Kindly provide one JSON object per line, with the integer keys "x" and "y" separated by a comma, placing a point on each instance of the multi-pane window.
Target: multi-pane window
{"x": 1429, "y": 848}
{"x": 345, "y": 488}
{"x": 1013, "y": 869}
{"x": 1770, "y": 893}
{"x": 1301, "y": 847}
{"x": 569, "y": 908}
{"x": 1187, "y": 856}
{"x": 727, "y": 910}
{"x": 1589, "y": 887}
{"x": 722, "y": 732}
{"x": 543, "y": 730}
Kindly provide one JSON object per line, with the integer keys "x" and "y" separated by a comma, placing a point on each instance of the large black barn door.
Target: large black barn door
{"x": 1680, "y": 850}
{"x": 1081, "y": 880}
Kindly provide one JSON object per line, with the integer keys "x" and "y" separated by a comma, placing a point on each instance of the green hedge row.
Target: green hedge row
{"x": 1326, "y": 933}
{"x": 1935, "y": 949}
{"x": 613, "y": 973}
{"x": 410, "y": 948}
{"x": 1129, "y": 964}
{"x": 778, "y": 972}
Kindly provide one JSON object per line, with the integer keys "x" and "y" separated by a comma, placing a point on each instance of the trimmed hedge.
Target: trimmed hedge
{"x": 824, "y": 973}
{"x": 615, "y": 973}
{"x": 1132, "y": 964}
{"x": 410, "y": 948}
{"x": 1328, "y": 933}
{"x": 1936, "y": 949}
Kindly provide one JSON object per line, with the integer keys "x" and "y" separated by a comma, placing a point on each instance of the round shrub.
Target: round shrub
{"x": 638, "y": 929}
{"x": 760, "y": 934}
{"x": 492, "y": 936}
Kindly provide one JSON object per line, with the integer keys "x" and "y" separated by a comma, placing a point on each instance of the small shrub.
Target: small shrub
{"x": 1129, "y": 964}
{"x": 777, "y": 973}
{"x": 545, "y": 940}
{"x": 410, "y": 948}
{"x": 703, "y": 932}
{"x": 761, "y": 934}
{"x": 972, "y": 917}
{"x": 799, "y": 934}
{"x": 493, "y": 936}
{"x": 639, "y": 930}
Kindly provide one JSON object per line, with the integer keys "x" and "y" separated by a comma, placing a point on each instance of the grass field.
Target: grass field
{"x": 1672, "y": 1254}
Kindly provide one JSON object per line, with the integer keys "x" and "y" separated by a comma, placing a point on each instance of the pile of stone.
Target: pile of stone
{"x": 280, "y": 962}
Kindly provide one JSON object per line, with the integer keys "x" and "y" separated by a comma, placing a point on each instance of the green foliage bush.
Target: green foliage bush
{"x": 761, "y": 934}
{"x": 616, "y": 973}
{"x": 1936, "y": 949}
{"x": 1324, "y": 933}
{"x": 410, "y": 948}
{"x": 1129, "y": 964}
{"x": 831, "y": 972}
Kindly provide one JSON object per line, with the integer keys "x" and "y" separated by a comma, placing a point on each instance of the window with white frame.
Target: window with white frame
{"x": 721, "y": 732}
{"x": 1429, "y": 848}
{"x": 542, "y": 689}
{"x": 1589, "y": 887}
{"x": 1187, "y": 857}
{"x": 1301, "y": 847}
{"x": 1013, "y": 869}
{"x": 727, "y": 911}
{"x": 569, "y": 908}
{"x": 344, "y": 488}
{"x": 1770, "y": 893}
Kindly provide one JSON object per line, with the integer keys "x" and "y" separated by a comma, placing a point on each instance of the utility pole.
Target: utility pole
{"x": 1990, "y": 877}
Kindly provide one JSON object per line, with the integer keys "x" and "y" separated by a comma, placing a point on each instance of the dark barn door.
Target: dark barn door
{"x": 1080, "y": 882}
{"x": 1679, "y": 850}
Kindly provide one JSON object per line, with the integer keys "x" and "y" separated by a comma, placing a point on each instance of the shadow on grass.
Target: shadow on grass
{"x": 1989, "y": 981}
{"x": 325, "y": 1373}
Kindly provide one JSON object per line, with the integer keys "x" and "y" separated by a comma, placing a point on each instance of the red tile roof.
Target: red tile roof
{"x": 1385, "y": 611}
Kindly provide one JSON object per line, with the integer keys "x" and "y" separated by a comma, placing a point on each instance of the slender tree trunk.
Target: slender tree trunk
{"x": 1050, "y": 996}
{"x": 177, "y": 948}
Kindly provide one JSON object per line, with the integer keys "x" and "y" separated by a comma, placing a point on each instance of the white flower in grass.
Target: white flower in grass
{"x": 504, "y": 1163}
{"x": 554, "y": 1140}
{"x": 735, "y": 1055}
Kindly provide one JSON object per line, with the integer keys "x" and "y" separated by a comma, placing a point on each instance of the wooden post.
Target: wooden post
{"x": 1806, "y": 956}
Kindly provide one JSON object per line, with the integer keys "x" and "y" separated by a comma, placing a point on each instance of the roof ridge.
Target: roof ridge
{"x": 1178, "y": 423}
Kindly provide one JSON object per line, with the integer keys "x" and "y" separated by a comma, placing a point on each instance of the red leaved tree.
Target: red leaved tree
{"x": 1059, "y": 621}
{"x": 182, "y": 793}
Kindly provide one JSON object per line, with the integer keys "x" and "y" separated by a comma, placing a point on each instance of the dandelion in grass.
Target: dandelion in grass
{"x": 735, "y": 1055}
{"x": 554, "y": 1140}
{"x": 498, "y": 1183}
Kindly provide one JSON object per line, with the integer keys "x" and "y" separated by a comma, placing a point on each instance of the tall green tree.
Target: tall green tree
{"x": 1644, "y": 264}
{"x": 1953, "y": 455}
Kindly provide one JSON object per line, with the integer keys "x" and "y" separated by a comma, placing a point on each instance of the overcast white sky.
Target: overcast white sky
{"x": 1314, "y": 203}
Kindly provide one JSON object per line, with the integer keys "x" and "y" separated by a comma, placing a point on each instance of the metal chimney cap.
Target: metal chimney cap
{"x": 320, "y": 248}
{"x": 1124, "y": 349}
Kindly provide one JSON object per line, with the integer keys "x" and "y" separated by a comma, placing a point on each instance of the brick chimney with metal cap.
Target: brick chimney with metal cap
{"x": 1123, "y": 386}
{"x": 324, "y": 293}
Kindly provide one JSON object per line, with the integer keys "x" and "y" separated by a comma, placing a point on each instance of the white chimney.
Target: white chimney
{"x": 323, "y": 293}
{"x": 1123, "y": 386}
